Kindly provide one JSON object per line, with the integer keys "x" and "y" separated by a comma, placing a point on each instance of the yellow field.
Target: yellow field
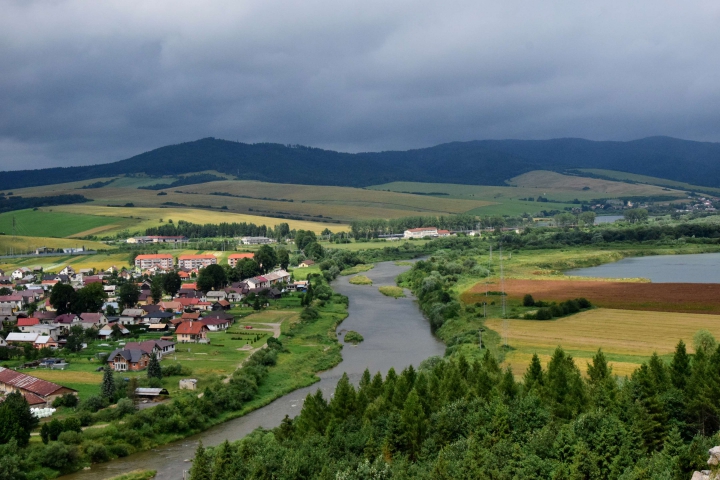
{"x": 150, "y": 217}
{"x": 100, "y": 261}
{"x": 627, "y": 337}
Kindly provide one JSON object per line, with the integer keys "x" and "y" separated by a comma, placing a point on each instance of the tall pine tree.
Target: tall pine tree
{"x": 107, "y": 389}
{"x": 154, "y": 370}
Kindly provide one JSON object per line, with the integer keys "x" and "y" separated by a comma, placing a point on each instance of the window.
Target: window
{"x": 120, "y": 366}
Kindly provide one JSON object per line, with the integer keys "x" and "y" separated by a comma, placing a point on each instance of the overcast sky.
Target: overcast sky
{"x": 97, "y": 81}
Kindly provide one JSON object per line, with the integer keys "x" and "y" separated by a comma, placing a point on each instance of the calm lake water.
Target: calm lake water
{"x": 697, "y": 268}
{"x": 396, "y": 335}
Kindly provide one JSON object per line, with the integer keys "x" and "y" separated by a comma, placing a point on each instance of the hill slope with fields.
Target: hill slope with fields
{"x": 486, "y": 162}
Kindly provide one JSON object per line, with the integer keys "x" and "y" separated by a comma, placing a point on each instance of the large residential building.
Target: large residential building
{"x": 235, "y": 257}
{"x": 256, "y": 240}
{"x": 196, "y": 261}
{"x": 157, "y": 239}
{"x": 421, "y": 232}
{"x": 163, "y": 260}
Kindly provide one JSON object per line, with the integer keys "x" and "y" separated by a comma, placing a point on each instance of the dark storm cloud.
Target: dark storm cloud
{"x": 87, "y": 82}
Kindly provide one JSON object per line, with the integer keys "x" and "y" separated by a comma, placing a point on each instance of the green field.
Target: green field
{"x": 51, "y": 222}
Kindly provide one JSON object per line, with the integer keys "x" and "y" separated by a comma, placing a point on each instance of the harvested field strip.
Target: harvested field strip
{"x": 628, "y": 337}
{"x": 660, "y": 297}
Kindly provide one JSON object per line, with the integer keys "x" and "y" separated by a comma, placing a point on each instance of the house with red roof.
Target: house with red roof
{"x": 192, "y": 332}
{"x": 24, "y": 324}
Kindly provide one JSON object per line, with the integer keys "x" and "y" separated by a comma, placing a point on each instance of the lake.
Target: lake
{"x": 695, "y": 268}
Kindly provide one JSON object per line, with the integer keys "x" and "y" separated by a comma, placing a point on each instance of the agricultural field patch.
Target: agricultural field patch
{"x": 634, "y": 177}
{"x": 144, "y": 218}
{"x": 52, "y": 222}
{"x": 658, "y": 297}
{"x": 100, "y": 261}
{"x": 23, "y": 245}
{"x": 553, "y": 181}
{"x": 627, "y": 337}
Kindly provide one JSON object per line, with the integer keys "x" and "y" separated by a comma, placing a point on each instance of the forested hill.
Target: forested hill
{"x": 486, "y": 162}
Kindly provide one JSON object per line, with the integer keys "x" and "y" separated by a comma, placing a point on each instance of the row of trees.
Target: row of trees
{"x": 375, "y": 227}
{"x": 208, "y": 230}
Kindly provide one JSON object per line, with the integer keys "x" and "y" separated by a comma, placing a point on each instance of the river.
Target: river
{"x": 693, "y": 268}
{"x": 396, "y": 335}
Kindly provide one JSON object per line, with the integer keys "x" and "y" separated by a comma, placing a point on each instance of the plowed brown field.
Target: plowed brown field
{"x": 661, "y": 297}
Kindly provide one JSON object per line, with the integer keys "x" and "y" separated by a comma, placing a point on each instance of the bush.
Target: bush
{"x": 583, "y": 303}
{"x": 57, "y": 456}
{"x": 124, "y": 407}
{"x": 97, "y": 452}
{"x": 309, "y": 314}
{"x": 72, "y": 424}
{"x": 120, "y": 450}
{"x": 71, "y": 438}
{"x": 543, "y": 314}
{"x": 528, "y": 301}
{"x": 176, "y": 370}
{"x": 93, "y": 404}
{"x": 68, "y": 400}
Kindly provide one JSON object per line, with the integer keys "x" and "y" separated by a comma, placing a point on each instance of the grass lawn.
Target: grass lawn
{"x": 51, "y": 222}
{"x": 627, "y": 337}
{"x": 302, "y": 273}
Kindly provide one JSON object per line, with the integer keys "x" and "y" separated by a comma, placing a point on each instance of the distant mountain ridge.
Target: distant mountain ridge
{"x": 480, "y": 162}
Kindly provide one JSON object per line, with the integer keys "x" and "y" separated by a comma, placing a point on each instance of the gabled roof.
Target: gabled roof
{"x": 91, "y": 317}
{"x": 192, "y": 328}
{"x": 159, "y": 314}
{"x": 27, "y": 322}
{"x": 66, "y": 319}
{"x": 133, "y": 312}
{"x": 39, "y": 387}
{"x": 214, "y": 321}
{"x": 132, "y": 356}
{"x": 22, "y": 337}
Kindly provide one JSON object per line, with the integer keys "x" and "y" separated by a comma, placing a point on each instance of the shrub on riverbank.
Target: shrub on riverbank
{"x": 353, "y": 337}
{"x": 391, "y": 291}
{"x": 360, "y": 280}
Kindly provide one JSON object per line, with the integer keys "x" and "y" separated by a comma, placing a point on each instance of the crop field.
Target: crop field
{"x": 322, "y": 203}
{"x": 649, "y": 180}
{"x": 659, "y": 297}
{"x": 22, "y": 245}
{"x": 142, "y": 218}
{"x": 100, "y": 261}
{"x": 627, "y": 337}
{"x": 52, "y": 222}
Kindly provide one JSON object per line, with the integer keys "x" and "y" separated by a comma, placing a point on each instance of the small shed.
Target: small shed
{"x": 188, "y": 384}
{"x": 151, "y": 393}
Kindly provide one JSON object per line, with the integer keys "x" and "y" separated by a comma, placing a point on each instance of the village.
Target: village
{"x": 33, "y": 328}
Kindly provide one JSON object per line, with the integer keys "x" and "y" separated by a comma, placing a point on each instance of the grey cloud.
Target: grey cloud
{"x": 86, "y": 82}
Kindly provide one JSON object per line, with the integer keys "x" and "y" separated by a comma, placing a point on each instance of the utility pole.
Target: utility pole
{"x": 506, "y": 326}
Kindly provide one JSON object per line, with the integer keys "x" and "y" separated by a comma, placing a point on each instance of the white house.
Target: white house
{"x": 20, "y": 273}
{"x": 421, "y": 232}
{"x": 68, "y": 270}
{"x": 131, "y": 316}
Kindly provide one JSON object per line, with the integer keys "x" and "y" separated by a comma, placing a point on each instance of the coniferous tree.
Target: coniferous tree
{"x": 342, "y": 404}
{"x": 680, "y": 366}
{"x": 534, "y": 376}
{"x": 16, "y": 420}
{"x": 107, "y": 389}
{"x": 413, "y": 424}
{"x": 200, "y": 469}
{"x": 154, "y": 370}
{"x": 223, "y": 464}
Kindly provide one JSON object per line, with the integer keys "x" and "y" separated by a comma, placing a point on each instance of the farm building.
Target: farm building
{"x": 38, "y": 392}
{"x": 421, "y": 232}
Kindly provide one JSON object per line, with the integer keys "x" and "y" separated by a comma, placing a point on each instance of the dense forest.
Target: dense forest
{"x": 452, "y": 419}
{"x": 208, "y": 230}
{"x": 487, "y": 162}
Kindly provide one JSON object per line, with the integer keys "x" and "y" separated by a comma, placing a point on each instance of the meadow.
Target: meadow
{"x": 634, "y": 177}
{"x": 23, "y": 245}
{"x": 52, "y": 222}
{"x": 627, "y": 337}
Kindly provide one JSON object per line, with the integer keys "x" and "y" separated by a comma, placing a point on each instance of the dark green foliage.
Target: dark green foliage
{"x": 528, "y": 301}
{"x": 186, "y": 180}
{"x": 154, "y": 370}
{"x": 212, "y": 277}
{"x": 128, "y": 294}
{"x": 266, "y": 258}
{"x": 62, "y": 296}
{"x": 16, "y": 202}
{"x": 16, "y": 421}
{"x": 172, "y": 283}
{"x": 88, "y": 299}
{"x": 107, "y": 388}
{"x": 156, "y": 288}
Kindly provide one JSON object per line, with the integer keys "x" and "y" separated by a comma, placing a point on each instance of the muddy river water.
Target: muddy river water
{"x": 396, "y": 335}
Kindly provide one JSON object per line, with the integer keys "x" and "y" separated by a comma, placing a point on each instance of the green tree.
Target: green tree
{"x": 200, "y": 469}
{"x": 107, "y": 388}
{"x": 635, "y": 215}
{"x": 128, "y": 295}
{"x": 172, "y": 283}
{"x": 154, "y": 370}
{"x": 680, "y": 366}
{"x": 266, "y": 258}
{"x": 156, "y": 288}
{"x": 283, "y": 258}
{"x": 587, "y": 218}
{"x": 247, "y": 268}
{"x": 314, "y": 250}
{"x": 303, "y": 238}
{"x": 16, "y": 420}
{"x": 62, "y": 297}
{"x": 414, "y": 424}
{"x": 89, "y": 298}
{"x": 211, "y": 277}
{"x": 565, "y": 388}
{"x": 223, "y": 464}
{"x": 534, "y": 376}
{"x": 75, "y": 339}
